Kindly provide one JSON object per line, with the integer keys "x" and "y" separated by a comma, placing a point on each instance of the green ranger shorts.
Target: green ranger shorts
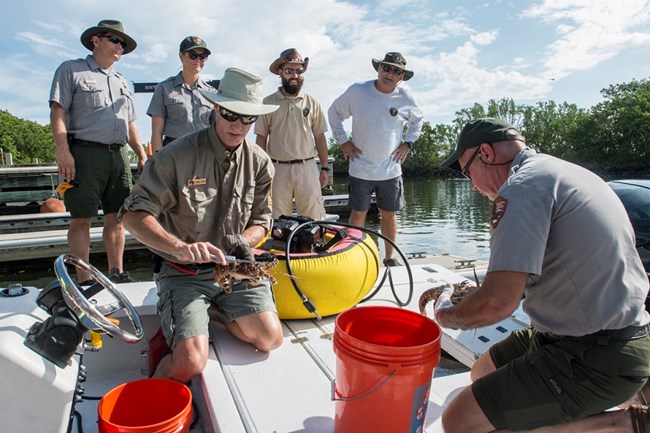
{"x": 184, "y": 300}
{"x": 101, "y": 178}
{"x": 540, "y": 383}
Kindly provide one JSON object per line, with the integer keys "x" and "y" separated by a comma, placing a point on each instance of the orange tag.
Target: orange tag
{"x": 497, "y": 211}
{"x": 197, "y": 181}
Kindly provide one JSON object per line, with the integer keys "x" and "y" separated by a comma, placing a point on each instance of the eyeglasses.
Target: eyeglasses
{"x": 291, "y": 71}
{"x": 388, "y": 68}
{"x": 194, "y": 55}
{"x": 233, "y": 117}
{"x": 465, "y": 170}
{"x": 114, "y": 39}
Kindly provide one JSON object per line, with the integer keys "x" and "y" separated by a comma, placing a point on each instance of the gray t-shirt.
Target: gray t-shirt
{"x": 98, "y": 102}
{"x": 563, "y": 225}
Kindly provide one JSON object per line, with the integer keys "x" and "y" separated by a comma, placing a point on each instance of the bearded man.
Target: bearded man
{"x": 294, "y": 136}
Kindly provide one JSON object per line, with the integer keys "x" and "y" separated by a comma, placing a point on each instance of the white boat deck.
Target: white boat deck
{"x": 289, "y": 390}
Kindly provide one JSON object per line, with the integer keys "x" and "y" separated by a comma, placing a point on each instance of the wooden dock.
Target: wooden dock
{"x": 26, "y": 234}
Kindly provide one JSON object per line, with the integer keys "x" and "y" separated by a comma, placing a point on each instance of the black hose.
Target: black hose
{"x": 308, "y": 304}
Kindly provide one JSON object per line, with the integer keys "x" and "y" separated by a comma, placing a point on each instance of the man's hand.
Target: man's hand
{"x": 443, "y": 302}
{"x": 236, "y": 245}
{"x": 350, "y": 151}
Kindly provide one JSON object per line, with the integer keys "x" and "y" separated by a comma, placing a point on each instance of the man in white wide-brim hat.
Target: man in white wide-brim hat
{"x": 92, "y": 117}
{"x": 205, "y": 195}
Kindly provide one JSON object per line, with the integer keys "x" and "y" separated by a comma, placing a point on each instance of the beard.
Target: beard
{"x": 291, "y": 89}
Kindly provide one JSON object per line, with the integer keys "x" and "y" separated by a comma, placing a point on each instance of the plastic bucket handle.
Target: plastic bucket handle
{"x": 363, "y": 395}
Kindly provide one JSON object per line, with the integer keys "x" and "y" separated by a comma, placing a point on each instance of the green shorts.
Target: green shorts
{"x": 102, "y": 178}
{"x": 539, "y": 383}
{"x": 184, "y": 300}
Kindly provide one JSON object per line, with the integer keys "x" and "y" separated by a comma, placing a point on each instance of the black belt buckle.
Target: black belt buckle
{"x": 114, "y": 147}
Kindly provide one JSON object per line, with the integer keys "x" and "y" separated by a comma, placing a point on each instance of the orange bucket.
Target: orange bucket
{"x": 146, "y": 406}
{"x": 385, "y": 359}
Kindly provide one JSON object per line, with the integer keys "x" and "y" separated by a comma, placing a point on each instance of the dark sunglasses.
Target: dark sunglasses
{"x": 291, "y": 71}
{"x": 388, "y": 68}
{"x": 233, "y": 117}
{"x": 194, "y": 55}
{"x": 465, "y": 170}
{"x": 114, "y": 39}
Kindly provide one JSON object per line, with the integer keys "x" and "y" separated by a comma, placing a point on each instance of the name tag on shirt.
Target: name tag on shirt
{"x": 197, "y": 181}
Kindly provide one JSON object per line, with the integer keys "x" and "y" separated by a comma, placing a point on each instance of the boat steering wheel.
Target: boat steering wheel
{"x": 88, "y": 313}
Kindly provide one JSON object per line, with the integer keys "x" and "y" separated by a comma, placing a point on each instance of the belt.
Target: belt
{"x": 602, "y": 337}
{"x": 190, "y": 268}
{"x": 292, "y": 161}
{"x": 110, "y": 147}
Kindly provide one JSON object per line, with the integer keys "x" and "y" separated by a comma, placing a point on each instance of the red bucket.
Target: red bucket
{"x": 386, "y": 357}
{"x": 146, "y": 406}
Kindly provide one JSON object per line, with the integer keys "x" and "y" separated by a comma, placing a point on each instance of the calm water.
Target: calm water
{"x": 441, "y": 216}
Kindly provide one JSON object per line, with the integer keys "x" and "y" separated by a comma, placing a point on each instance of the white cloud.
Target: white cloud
{"x": 460, "y": 54}
{"x": 590, "y": 31}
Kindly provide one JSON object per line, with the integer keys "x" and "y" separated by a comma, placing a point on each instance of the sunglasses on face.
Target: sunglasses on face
{"x": 194, "y": 55}
{"x": 291, "y": 71}
{"x": 233, "y": 117}
{"x": 389, "y": 68}
{"x": 114, "y": 40}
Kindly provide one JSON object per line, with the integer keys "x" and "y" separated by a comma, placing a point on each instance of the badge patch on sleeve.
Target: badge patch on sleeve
{"x": 497, "y": 211}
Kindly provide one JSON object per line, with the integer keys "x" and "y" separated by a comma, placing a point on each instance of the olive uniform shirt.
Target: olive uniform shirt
{"x": 200, "y": 192}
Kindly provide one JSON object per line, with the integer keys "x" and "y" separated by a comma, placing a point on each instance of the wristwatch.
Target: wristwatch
{"x": 409, "y": 144}
{"x": 325, "y": 169}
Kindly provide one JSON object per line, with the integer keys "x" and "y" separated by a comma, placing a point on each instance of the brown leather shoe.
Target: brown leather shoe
{"x": 640, "y": 415}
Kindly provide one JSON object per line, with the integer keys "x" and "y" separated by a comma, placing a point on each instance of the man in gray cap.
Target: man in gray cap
{"x": 177, "y": 107}
{"x": 206, "y": 194}
{"x": 561, "y": 239}
{"x": 380, "y": 109}
{"x": 92, "y": 117}
{"x": 293, "y": 136}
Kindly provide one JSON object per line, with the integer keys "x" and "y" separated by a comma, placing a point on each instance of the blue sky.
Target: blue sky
{"x": 462, "y": 52}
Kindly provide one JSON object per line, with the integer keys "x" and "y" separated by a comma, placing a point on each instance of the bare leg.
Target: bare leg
{"x": 114, "y": 241}
{"x": 358, "y": 218}
{"x": 79, "y": 242}
{"x": 188, "y": 360}
{"x": 389, "y": 229}
{"x": 262, "y": 330}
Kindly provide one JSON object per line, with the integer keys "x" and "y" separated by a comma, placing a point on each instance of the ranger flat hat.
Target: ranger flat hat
{"x": 395, "y": 59}
{"x": 240, "y": 92}
{"x": 290, "y": 55}
{"x": 111, "y": 26}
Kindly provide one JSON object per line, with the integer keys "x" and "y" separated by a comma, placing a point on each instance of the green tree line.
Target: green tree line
{"x": 26, "y": 140}
{"x": 613, "y": 134}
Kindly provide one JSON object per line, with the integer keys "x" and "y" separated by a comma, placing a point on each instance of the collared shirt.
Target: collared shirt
{"x": 292, "y": 127}
{"x": 566, "y": 227}
{"x": 182, "y": 106}
{"x": 98, "y": 101}
{"x": 200, "y": 192}
{"x": 378, "y": 121}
